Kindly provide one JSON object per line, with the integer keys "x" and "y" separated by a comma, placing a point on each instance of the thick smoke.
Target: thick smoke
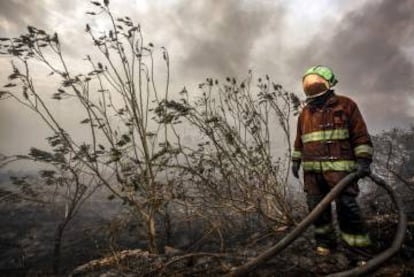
{"x": 15, "y": 15}
{"x": 367, "y": 51}
{"x": 220, "y": 36}
{"x": 368, "y": 47}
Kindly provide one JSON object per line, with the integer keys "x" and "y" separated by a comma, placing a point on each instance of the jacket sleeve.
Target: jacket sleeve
{"x": 298, "y": 146}
{"x": 359, "y": 136}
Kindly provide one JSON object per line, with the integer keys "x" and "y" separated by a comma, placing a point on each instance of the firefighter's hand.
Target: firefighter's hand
{"x": 363, "y": 167}
{"x": 295, "y": 168}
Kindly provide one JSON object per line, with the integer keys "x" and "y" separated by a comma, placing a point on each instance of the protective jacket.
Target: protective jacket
{"x": 330, "y": 137}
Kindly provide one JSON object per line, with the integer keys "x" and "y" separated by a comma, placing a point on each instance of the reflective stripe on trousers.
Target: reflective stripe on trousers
{"x": 324, "y": 229}
{"x": 361, "y": 240}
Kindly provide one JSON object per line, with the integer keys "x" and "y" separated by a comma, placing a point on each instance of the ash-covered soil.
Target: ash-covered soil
{"x": 298, "y": 259}
{"x": 26, "y": 236}
{"x": 112, "y": 238}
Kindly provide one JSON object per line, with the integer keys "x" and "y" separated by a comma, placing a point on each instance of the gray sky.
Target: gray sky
{"x": 369, "y": 44}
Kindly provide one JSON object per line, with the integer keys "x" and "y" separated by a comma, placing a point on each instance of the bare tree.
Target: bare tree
{"x": 232, "y": 171}
{"x": 123, "y": 151}
{"x": 134, "y": 148}
{"x": 61, "y": 183}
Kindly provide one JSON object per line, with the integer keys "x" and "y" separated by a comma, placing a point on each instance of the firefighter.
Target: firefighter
{"x": 331, "y": 141}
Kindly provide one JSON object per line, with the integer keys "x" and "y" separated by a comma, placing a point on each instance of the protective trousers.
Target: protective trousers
{"x": 352, "y": 227}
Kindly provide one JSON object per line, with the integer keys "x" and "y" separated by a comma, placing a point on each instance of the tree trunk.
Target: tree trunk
{"x": 152, "y": 234}
{"x": 57, "y": 246}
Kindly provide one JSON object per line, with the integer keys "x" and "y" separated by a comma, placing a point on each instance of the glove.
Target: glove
{"x": 363, "y": 167}
{"x": 295, "y": 168}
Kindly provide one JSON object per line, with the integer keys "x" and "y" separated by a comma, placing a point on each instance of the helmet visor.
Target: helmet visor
{"x": 314, "y": 84}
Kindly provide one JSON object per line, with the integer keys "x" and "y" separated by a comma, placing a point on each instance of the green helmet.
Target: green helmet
{"x": 323, "y": 71}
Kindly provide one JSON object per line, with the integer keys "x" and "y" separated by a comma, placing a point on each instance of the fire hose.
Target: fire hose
{"x": 370, "y": 266}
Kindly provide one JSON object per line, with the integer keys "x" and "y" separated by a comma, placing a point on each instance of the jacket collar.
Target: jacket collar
{"x": 325, "y": 100}
{"x": 331, "y": 100}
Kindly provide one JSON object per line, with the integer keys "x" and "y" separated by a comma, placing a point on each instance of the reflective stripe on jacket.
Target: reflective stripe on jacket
{"x": 331, "y": 137}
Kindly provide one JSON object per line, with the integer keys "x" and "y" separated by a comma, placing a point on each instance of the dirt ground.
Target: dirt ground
{"x": 26, "y": 235}
{"x": 298, "y": 259}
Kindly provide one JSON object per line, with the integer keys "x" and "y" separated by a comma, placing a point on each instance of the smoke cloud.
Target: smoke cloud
{"x": 369, "y": 44}
{"x": 17, "y": 14}
{"x": 368, "y": 52}
{"x": 224, "y": 44}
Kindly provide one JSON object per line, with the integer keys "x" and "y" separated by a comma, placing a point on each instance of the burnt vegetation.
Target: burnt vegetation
{"x": 199, "y": 205}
